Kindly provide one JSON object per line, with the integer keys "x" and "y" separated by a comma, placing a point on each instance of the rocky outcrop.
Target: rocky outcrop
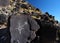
{"x": 49, "y": 30}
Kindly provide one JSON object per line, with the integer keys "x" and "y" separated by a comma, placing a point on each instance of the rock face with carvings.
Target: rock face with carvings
{"x": 49, "y": 31}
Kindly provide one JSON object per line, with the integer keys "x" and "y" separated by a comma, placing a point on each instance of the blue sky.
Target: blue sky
{"x": 51, "y": 6}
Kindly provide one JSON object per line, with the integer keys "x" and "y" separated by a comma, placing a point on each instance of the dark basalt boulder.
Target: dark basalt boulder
{"x": 2, "y": 18}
